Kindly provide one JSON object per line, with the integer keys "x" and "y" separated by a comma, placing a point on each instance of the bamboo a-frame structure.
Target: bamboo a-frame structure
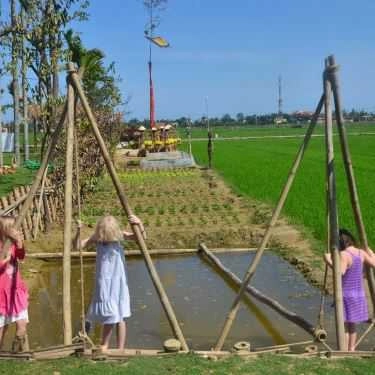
{"x": 75, "y": 89}
{"x": 330, "y": 85}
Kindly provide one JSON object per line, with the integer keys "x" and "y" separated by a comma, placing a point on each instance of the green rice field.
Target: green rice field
{"x": 270, "y": 130}
{"x": 258, "y": 168}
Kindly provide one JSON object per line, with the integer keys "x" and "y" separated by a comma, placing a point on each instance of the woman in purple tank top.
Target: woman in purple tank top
{"x": 354, "y": 297}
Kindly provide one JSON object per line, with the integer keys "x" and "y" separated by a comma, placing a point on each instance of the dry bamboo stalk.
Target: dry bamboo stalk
{"x": 343, "y": 354}
{"x": 67, "y": 311}
{"x": 251, "y": 270}
{"x": 270, "y": 302}
{"x": 333, "y": 76}
{"x": 51, "y": 199}
{"x": 4, "y": 203}
{"x": 333, "y": 219}
{"x": 39, "y": 206}
{"x": 28, "y": 215}
{"x": 301, "y": 343}
{"x": 47, "y": 210}
{"x": 18, "y": 195}
{"x": 122, "y": 197}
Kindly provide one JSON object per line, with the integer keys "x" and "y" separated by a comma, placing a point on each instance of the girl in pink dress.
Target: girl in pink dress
{"x": 13, "y": 291}
{"x": 352, "y": 261}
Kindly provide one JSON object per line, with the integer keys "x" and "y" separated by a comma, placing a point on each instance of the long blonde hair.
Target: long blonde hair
{"x": 108, "y": 230}
{"x": 6, "y": 226}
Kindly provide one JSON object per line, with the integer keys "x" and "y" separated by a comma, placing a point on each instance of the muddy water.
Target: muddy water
{"x": 200, "y": 296}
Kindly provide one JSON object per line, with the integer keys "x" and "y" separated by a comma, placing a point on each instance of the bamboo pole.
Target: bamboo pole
{"x": 270, "y": 302}
{"x": 353, "y": 192}
{"x": 78, "y": 190}
{"x": 39, "y": 207}
{"x": 74, "y": 79}
{"x": 252, "y": 267}
{"x": 135, "y": 253}
{"x": 333, "y": 219}
{"x": 28, "y": 214}
{"x": 68, "y": 218}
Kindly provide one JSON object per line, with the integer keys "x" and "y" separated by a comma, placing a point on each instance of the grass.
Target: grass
{"x": 190, "y": 364}
{"x": 23, "y": 176}
{"x": 259, "y": 168}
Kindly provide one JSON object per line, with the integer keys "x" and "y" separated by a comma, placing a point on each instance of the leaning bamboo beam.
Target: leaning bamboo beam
{"x": 251, "y": 270}
{"x": 348, "y": 165}
{"x": 67, "y": 312}
{"x": 332, "y": 213}
{"x": 321, "y": 335}
{"x": 38, "y": 177}
{"x": 134, "y": 253}
{"x": 365, "y": 333}
{"x": 74, "y": 79}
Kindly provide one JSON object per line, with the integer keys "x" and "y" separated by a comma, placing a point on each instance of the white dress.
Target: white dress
{"x": 111, "y": 302}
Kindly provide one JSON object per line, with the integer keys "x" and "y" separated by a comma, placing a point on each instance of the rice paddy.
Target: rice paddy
{"x": 258, "y": 169}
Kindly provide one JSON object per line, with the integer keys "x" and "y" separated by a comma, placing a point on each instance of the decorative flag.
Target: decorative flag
{"x": 158, "y": 40}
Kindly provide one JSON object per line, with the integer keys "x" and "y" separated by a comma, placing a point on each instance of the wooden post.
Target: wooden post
{"x": 333, "y": 219}
{"x": 68, "y": 217}
{"x": 122, "y": 197}
{"x": 333, "y": 77}
{"x": 252, "y": 267}
{"x": 270, "y": 302}
{"x": 209, "y": 149}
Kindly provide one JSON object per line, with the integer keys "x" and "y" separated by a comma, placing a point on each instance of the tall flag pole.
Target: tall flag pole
{"x": 162, "y": 43}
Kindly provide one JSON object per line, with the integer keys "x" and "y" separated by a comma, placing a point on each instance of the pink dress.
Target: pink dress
{"x": 13, "y": 291}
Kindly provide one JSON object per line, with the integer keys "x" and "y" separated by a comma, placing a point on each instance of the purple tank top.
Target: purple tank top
{"x": 352, "y": 280}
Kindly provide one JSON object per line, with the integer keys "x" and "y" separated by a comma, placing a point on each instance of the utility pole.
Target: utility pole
{"x": 280, "y": 101}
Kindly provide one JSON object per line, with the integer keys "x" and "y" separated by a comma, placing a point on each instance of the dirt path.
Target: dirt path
{"x": 181, "y": 208}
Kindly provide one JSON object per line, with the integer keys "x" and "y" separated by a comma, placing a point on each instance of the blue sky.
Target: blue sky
{"x": 232, "y": 52}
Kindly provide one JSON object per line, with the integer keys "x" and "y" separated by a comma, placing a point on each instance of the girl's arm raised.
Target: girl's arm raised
{"x": 130, "y": 235}
{"x": 369, "y": 257}
{"x": 343, "y": 262}
{"x": 81, "y": 244}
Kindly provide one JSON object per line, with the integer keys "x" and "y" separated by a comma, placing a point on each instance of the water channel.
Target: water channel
{"x": 200, "y": 296}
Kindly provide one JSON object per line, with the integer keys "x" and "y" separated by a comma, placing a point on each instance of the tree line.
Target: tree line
{"x": 37, "y": 40}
